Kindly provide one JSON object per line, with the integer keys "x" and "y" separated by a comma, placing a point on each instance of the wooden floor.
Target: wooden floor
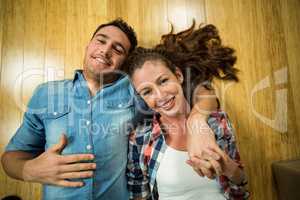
{"x": 44, "y": 40}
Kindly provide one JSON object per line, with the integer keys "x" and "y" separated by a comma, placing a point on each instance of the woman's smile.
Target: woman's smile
{"x": 166, "y": 104}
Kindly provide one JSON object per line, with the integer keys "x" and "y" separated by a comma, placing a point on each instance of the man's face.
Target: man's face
{"x": 105, "y": 52}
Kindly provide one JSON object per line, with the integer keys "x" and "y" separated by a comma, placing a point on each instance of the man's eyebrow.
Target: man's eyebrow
{"x": 101, "y": 34}
{"x": 107, "y": 37}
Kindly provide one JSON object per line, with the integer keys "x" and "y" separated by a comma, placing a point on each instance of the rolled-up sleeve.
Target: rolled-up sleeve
{"x": 30, "y": 136}
{"x": 224, "y": 133}
{"x": 137, "y": 181}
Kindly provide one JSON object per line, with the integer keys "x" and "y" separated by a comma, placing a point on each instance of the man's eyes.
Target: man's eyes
{"x": 119, "y": 49}
{"x": 101, "y": 41}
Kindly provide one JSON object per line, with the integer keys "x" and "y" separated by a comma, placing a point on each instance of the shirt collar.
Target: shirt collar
{"x": 80, "y": 84}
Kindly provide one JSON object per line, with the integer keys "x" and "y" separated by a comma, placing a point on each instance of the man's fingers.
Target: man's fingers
{"x": 198, "y": 171}
{"x": 207, "y": 172}
{"x": 65, "y": 183}
{"x": 216, "y": 166}
{"x": 73, "y": 175}
{"x": 76, "y": 158}
{"x": 58, "y": 147}
{"x": 77, "y": 167}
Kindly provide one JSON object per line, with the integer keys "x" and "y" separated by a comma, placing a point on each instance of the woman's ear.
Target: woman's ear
{"x": 179, "y": 75}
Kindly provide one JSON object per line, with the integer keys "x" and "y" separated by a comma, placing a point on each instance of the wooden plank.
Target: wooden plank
{"x": 2, "y": 5}
{"x": 33, "y": 69}
{"x": 256, "y": 30}
{"x": 34, "y": 47}
{"x": 78, "y": 34}
{"x": 290, "y": 19}
{"x": 12, "y": 65}
{"x": 55, "y": 39}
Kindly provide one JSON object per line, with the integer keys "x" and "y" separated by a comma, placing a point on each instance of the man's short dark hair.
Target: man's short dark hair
{"x": 128, "y": 30}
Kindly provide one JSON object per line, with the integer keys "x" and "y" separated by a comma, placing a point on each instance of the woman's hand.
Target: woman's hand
{"x": 200, "y": 138}
{"x": 217, "y": 163}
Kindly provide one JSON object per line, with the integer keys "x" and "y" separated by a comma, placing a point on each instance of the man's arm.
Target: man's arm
{"x": 13, "y": 163}
{"x": 49, "y": 167}
{"x": 200, "y": 136}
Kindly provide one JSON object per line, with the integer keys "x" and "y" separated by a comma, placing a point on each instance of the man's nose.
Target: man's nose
{"x": 106, "y": 50}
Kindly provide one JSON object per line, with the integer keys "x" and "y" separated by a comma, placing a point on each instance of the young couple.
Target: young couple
{"x": 63, "y": 145}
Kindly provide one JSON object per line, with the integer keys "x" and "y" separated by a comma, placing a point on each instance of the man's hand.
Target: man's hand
{"x": 53, "y": 168}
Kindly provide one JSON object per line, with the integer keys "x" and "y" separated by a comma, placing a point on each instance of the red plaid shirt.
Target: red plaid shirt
{"x": 147, "y": 147}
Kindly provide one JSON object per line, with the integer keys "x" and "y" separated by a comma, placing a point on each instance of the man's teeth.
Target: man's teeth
{"x": 102, "y": 61}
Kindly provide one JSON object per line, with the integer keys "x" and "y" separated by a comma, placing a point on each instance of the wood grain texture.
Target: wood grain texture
{"x": 2, "y": 6}
{"x": 44, "y": 40}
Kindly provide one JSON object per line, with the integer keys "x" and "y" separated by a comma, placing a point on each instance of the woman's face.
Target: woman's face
{"x": 160, "y": 88}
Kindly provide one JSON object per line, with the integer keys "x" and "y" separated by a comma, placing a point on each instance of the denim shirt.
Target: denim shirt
{"x": 97, "y": 125}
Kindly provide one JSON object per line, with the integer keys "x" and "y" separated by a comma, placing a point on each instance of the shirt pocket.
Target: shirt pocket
{"x": 118, "y": 105}
{"x": 56, "y": 123}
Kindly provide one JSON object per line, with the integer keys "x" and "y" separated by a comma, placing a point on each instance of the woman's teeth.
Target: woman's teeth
{"x": 168, "y": 104}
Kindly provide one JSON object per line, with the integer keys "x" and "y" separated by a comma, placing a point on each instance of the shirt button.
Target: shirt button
{"x": 87, "y": 122}
{"x": 88, "y": 147}
{"x": 88, "y": 102}
{"x": 55, "y": 113}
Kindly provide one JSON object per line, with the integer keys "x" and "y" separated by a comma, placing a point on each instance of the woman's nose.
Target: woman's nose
{"x": 160, "y": 93}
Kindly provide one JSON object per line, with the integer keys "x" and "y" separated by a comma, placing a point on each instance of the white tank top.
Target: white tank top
{"x": 177, "y": 180}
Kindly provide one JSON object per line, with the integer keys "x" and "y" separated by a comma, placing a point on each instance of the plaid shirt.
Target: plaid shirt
{"x": 146, "y": 149}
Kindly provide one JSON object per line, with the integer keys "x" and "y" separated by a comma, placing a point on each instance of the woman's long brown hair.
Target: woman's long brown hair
{"x": 198, "y": 53}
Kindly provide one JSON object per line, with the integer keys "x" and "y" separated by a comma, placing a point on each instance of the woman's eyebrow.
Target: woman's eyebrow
{"x": 158, "y": 79}
{"x": 145, "y": 88}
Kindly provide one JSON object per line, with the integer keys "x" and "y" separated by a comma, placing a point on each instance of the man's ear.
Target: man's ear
{"x": 179, "y": 75}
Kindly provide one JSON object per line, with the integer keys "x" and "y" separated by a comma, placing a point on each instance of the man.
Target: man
{"x": 74, "y": 136}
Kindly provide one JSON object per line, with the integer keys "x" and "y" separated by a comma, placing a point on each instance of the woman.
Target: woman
{"x": 169, "y": 78}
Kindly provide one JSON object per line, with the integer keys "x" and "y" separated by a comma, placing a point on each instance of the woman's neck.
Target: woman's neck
{"x": 175, "y": 129}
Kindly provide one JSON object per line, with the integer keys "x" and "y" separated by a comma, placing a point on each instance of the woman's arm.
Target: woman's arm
{"x": 137, "y": 181}
{"x": 229, "y": 167}
{"x": 233, "y": 179}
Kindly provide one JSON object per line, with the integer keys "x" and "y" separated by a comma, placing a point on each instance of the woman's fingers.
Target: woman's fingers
{"x": 196, "y": 169}
{"x": 203, "y": 166}
{"x": 209, "y": 153}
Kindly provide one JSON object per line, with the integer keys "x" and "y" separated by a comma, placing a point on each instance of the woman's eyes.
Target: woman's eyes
{"x": 146, "y": 92}
{"x": 164, "y": 80}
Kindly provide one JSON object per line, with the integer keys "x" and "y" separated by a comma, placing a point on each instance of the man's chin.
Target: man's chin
{"x": 107, "y": 76}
